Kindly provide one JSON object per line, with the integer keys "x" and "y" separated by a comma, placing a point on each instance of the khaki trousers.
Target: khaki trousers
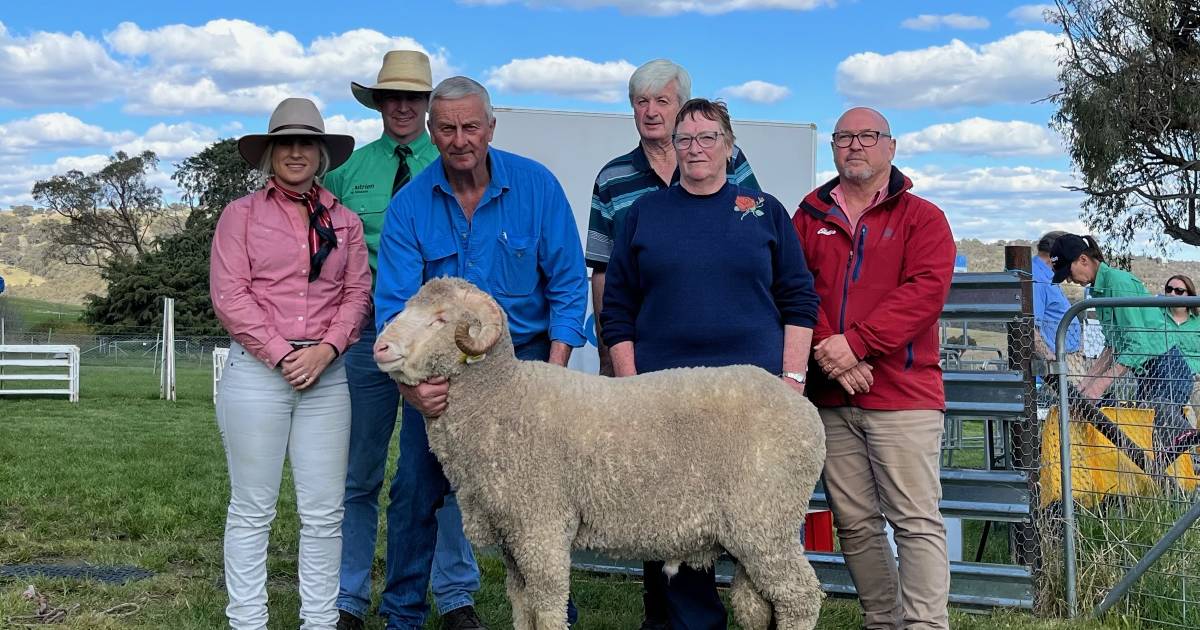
{"x": 885, "y": 464}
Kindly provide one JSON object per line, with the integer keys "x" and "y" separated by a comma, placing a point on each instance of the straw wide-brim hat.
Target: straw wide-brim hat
{"x": 296, "y": 117}
{"x": 403, "y": 70}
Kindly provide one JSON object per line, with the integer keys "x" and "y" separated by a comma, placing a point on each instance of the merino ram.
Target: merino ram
{"x": 679, "y": 464}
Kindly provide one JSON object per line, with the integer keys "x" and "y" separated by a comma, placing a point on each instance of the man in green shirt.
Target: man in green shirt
{"x": 366, "y": 184}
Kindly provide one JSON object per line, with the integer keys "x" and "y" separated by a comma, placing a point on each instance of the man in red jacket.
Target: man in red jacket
{"x": 882, "y": 259}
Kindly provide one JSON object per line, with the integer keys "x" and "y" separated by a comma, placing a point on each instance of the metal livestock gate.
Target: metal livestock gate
{"x": 1005, "y": 489}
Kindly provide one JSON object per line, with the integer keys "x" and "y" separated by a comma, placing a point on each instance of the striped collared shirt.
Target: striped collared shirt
{"x": 622, "y": 181}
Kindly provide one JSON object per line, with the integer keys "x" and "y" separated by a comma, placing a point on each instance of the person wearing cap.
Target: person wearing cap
{"x": 365, "y": 184}
{"x": 502, "y": 222}
{"x": 1137, "y": 342}
{"x": 289, "y": 281}
{"x": 882, "y": 259}
{"x": 1050, "y": 304}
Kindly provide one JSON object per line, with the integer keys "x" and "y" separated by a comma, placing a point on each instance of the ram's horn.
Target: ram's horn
{"x": 491, "y": 324}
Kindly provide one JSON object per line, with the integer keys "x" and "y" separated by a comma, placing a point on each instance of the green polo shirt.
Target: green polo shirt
{"x": 364, "y": 182}
{"x": 1135, "y": 334}
{"x": 1187, "y": 337}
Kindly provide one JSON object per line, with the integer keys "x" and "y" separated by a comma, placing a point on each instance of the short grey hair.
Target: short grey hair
{"x": 455, "y": 88}
{"x": 654, "y": 75}
{"x": 266, "y": 171}
{"x": 1047, "y": 241}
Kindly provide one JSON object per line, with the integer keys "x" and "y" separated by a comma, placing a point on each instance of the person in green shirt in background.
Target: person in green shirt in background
{"x": 366, "y": 184}
{"x": 1138, "y": 343}
{"x": 1183, "y": 326}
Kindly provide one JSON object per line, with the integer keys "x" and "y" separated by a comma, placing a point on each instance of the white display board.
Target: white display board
{"x": 575, "y": 145}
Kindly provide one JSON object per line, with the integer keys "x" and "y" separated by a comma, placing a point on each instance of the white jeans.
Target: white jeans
{"x": 262, "y": 419}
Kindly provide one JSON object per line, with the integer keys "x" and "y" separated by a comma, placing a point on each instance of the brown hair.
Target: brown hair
{"x": 712, "y": 110}
{"x": 1191, "y": 289}
{"x": 1093, "y": 251}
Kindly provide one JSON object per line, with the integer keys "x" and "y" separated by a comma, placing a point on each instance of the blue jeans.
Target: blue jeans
{"x": 374, "y": 399}
{"x": 693, "y": 602}
{"x": 1164, "y": 383}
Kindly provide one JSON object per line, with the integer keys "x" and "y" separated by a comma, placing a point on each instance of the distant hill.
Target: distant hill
{"x": 31, "y": 273}
{"x": 990, "y": 257}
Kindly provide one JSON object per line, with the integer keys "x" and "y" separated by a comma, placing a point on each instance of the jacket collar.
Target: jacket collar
{"x": 819, "y": 203}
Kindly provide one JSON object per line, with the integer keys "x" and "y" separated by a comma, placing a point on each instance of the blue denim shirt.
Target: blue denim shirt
{"x": 521, "y": 247}
{"x": 1049, "y": 306}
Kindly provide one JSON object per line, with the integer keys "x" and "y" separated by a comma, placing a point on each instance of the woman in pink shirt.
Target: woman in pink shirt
{"x": 289, "y": 280}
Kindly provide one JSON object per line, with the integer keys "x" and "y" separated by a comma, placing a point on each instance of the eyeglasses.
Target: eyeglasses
{"x": 869, "y": 138}
{"x": 706, "y": 140}
{"x": 1175, "y": 290}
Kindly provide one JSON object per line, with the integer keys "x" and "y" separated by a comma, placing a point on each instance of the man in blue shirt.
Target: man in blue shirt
{"x": 1049, "y": 303}
{"x": 502, "y": 222}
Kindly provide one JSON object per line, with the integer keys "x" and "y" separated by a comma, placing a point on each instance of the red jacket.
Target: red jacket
{"x": 883, "y": 286}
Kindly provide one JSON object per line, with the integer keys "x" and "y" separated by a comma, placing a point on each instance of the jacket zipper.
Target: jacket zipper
{"x": 852, "y": 271}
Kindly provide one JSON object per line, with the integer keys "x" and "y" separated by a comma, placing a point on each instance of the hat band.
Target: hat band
{"x": 297, "y": 126}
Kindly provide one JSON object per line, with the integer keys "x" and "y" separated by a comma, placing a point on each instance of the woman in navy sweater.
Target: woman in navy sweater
{"x": 707, "y": 274}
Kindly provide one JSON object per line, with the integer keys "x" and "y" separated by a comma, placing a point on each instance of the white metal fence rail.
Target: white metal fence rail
{"x": 39, "y": 364}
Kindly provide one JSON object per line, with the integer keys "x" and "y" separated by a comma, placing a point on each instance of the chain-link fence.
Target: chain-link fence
{"x": 1127, "y": 463}
{"x": 137, "y": 356}
{"x": 991, "y": 449}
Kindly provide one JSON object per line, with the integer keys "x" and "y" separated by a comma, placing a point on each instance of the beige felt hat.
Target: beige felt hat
{"x": 403, "y": 70}
{"x": 296, "y": 117}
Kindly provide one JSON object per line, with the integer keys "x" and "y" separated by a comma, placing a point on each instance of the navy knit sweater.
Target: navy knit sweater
{"x": 706, "y": 280}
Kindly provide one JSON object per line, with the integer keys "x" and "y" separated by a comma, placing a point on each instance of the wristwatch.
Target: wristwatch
{"x": 795, "y": 376}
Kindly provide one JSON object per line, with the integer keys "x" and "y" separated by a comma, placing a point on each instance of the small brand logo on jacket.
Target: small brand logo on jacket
{"x": 826, "y": 232}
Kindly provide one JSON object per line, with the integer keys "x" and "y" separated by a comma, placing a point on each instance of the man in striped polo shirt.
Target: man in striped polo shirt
{"x": 657, "y": 90}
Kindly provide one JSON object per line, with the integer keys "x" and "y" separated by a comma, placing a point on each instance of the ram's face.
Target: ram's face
{"x": 412, "y": 345}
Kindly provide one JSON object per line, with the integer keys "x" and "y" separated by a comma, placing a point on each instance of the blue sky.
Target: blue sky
{"x": 957, "y": 80}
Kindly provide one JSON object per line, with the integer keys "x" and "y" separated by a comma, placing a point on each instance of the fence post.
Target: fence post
{"x": 167, "y": 382}
{"x": 1024, "y": 541}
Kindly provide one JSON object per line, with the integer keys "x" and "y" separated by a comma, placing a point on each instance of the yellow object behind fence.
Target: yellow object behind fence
{"x": 1099, "y": 469}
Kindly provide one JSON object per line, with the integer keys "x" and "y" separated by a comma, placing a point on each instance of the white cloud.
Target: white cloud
{"x": 240, "y": 66}
{"x": 171, "y": 142}
{"x": 1022, "y": 67}
{"x": 52, "y": 68}
{"x": 757, "y": 92}
{"x": 998, "y": 203}
{"x": 364, "y": 130}
{"x": 54, "y": 131}
{"x": 981, "y": 136}
{"x": 1030, "y": 13}
{"x": 16, "y": 180}
{"x": 605, "y": 81}
{"x": 668, "y": 7}
{"x": 1001, "y": 202}
{"x": 167, "y": 97}
{"x": 927, "y": 22}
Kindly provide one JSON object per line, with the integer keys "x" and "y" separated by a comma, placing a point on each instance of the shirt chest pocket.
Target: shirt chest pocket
{"x": 336, "y": 261}
{"x": 516, "y": 265}
{"x": 440, "y": 257}
{"x": 274, "y": 251}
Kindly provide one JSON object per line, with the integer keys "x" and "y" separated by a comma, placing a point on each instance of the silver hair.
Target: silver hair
{"x": 653, "y": 76}
{"x": 265, "y": 170}
{"x": 455, "y": 88}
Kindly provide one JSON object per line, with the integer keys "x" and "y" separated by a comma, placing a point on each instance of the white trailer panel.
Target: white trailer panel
{"x": 575, "y": 145}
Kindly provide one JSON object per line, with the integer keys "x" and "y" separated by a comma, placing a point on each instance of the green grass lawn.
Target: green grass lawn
{"x": 124, "y": 478}
{"x": 37, "y": 315}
